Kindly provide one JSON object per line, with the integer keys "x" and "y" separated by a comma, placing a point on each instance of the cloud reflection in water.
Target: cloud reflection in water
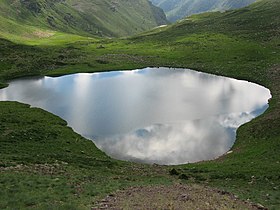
{"x": 176, "y": 143}
{"x": 164, "y": 116}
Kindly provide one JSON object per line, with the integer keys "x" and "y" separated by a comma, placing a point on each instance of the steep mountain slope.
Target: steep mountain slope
{"x": 177, "y": 9}
{"x": 86, "y": 17}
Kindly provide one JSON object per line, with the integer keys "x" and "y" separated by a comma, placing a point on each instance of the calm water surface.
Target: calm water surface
{"x": 153, "y": 115}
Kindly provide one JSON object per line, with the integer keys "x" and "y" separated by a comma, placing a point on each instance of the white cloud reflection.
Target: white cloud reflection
{"x": 160, "y": 115}
{"x": 190, "y": 141}
{"x": 176, "y": 143}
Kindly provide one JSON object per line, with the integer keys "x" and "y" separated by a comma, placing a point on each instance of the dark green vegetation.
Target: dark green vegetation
{"x": 61, "y": 169}
{"x": 178, "y": 9}
{"x": 85, "y": 17}
{"x": 45, "y": 165}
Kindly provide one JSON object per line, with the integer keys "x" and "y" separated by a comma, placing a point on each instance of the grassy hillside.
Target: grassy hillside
{"x": 178, "y": 9}
{"x": 84, "y": 17}
{"x": 44, "y": 164}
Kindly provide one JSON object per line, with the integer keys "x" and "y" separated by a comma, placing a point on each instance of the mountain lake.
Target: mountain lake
{"x": 152, "y": 115}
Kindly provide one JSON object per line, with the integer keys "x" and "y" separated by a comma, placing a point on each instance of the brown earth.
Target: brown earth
{"x": 177, "y": 196}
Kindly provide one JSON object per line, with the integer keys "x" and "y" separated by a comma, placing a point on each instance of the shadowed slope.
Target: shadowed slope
{"x": 84, "y": 17}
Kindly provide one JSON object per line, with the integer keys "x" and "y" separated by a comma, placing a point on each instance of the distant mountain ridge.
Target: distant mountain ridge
{"x": 85, "y": 17}
{"x": 178, "y": 9}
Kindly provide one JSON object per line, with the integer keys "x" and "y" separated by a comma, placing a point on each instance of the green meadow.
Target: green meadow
{"x": 45, "y": 165}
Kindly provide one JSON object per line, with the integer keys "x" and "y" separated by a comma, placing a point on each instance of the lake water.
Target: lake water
{"x": 153, "y": 115}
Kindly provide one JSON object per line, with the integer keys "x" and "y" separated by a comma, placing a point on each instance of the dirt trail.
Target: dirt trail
{"x": 177, "y": 196}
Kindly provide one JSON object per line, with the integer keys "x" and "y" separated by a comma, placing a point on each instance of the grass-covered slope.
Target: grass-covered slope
{"x": 45, "y": 165}
{"x": 178, "y": 9}
{"x": 243, "y": 44}
{"x": 86, "y": 17}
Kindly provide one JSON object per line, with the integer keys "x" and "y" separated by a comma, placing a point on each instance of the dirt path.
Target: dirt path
{"x": 177, "y": 196}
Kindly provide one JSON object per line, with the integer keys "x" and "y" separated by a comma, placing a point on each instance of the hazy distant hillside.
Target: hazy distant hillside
{"x": 97, "y": 17}
{"x": 177, "y": 9}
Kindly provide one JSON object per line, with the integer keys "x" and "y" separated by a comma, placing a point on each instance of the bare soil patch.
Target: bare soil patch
{"x": 43, "y": 34}
{"x": 178, "y": 196}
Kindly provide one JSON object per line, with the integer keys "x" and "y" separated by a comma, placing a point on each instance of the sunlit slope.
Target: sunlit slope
{"x": 259, "y": 21}
{"x": 243, "y": 39}
{"x": 245, "y": 44}
{"x": 83, "y": 17}
{"x": 177, "y": 9}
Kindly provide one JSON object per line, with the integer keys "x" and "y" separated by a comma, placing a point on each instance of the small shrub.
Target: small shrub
{"x": 173, "y": 172}
{"x": 184, "y": 176}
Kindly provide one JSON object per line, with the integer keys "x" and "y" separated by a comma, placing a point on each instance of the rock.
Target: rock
{"x": 100, "y": 47}
{"x": 183, "y": 176}
{"x": 259, "y": 206}
{"x": 173, "y": 172}
{"x": 184, "y": 197}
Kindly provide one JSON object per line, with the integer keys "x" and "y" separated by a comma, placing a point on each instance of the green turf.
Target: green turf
{"x": 84, "y": 17}
{"x": 242, "y": 44}
{"x": 44, "y": 164}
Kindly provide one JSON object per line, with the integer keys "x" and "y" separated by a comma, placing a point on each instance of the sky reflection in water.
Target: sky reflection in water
{"x": 164, "y": 116}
